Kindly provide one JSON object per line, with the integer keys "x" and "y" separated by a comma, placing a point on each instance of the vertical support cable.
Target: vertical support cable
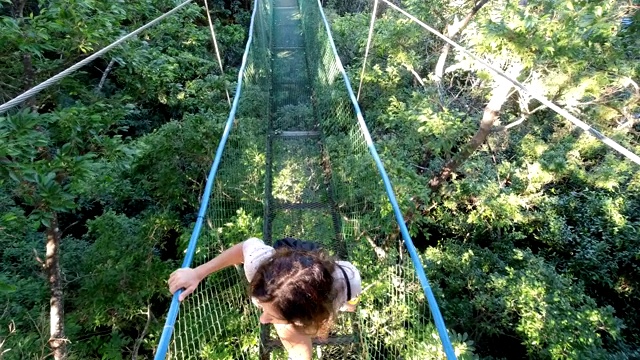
{"x": 215, "y": 45}
{"x": 369, "y": 41}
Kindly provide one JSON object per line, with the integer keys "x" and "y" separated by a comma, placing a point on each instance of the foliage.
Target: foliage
{"x": 393, "y": 299}
{"x": 122, "y": 255}
{"x": 532, "y": 247}
{"x": 522, "y": 290}
{"x": 173, "y": 162}
{"x": 241, "y": 226}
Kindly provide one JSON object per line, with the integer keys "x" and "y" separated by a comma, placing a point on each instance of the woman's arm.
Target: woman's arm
{"x": 188, "y": 279}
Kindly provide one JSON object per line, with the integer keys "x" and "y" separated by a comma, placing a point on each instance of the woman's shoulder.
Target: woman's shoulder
{"x": 352, "y": 272}
{"x": 255, "y": 252}
{"x": 352, "y": 269}
{"x": 253, "y": 241}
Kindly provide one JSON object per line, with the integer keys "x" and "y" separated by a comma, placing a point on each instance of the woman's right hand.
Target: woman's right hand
{"x": 185, "y": 278}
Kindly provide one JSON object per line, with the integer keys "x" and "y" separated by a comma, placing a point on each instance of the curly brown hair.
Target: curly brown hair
{"x": 299, "y": 284}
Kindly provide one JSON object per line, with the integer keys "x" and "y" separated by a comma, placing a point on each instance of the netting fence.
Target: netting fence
{"x": 218, "y": 321}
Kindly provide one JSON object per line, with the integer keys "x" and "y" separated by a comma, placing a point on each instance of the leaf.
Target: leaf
{"x": 9, "y": 217}
{"x": 13, "y": 176}
{"x": 599, "y": 11}
{"x": 49, "y": 178}
{"x": 6, "y": 287}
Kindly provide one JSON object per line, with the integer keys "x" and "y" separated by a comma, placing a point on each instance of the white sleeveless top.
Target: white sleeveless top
{"x": 255, "y": 252}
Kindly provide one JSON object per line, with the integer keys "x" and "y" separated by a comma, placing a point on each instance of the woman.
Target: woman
{"x": 297, "y": 286}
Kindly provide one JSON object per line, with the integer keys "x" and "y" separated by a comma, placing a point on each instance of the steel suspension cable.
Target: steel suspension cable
{"x": 369, "y": 41}
{"x": 215, "y": 45}
{"x": 562, "y": 112}
{"x": 54, "y": 79}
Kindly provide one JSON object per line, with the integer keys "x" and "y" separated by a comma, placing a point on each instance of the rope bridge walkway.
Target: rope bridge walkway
{"x": 294, "y": 112}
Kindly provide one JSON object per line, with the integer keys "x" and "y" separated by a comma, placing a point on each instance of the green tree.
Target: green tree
{"x": 48, "y": 175}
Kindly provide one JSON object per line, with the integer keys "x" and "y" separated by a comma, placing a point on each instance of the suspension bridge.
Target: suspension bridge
{"x": 296, "y": 159}
{"x": 295, "y": 110}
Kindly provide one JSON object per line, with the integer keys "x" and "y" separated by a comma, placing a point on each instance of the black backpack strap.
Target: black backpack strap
{"x": 296, "y": 244}
{"x": 346, "y": 279}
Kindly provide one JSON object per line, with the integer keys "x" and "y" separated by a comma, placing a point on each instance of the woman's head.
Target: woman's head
{"x": 296, "y": 287}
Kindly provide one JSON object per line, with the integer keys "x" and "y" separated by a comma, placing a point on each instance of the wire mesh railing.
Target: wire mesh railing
{"x": 394, "y": 316}
{"x": 218, "y": 321}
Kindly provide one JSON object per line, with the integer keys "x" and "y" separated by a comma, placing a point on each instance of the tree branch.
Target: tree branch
{"x": 29, "y": 78}
{"x": 503, "y": 128}
{"x": 12, "y": 330}
{"x": 452, "y": 31}
{"x": 136, "y": 348}
{"x": 525, "y": 115}
{"x": 491, "y": 114}
{"x": 415, "y": 74}
{"x": 105, "y": 74}
{"x": 20, "y": 9}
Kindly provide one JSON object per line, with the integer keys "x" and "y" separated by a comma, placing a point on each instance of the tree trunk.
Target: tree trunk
{"x": 491, "y": 113}
{"x": 452, "y": 32}
{"x": 27, "y": 63}
{"x": 29, "y": 78}
{"x": 136, "y": 347}
{"x": 57, "y": 341}
{"x": 18, "y": 8}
